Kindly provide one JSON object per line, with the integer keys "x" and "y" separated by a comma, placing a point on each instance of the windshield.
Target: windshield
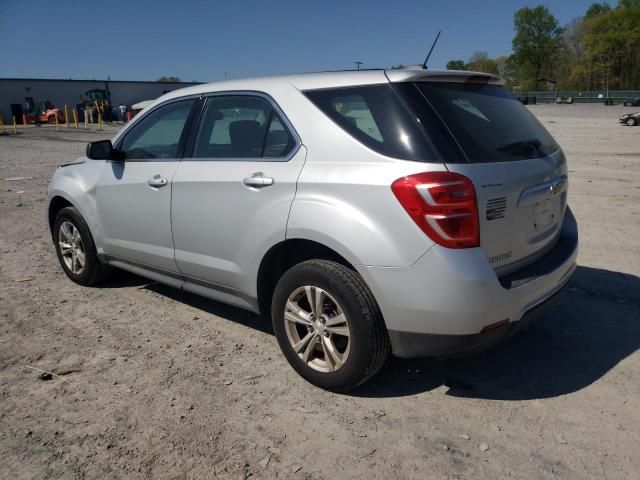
{"x": 489, "y": 123}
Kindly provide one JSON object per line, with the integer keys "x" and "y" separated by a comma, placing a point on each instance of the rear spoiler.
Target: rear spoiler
{"x": 456, "y": 76}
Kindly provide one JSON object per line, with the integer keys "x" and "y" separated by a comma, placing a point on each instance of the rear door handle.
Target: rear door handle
{"x": 157, "y": 181}
{"x": 257, "y": 180}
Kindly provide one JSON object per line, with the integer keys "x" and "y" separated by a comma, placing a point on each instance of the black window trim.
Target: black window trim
{"x": 190, "y": 145}
{"x": 184, "y": 136}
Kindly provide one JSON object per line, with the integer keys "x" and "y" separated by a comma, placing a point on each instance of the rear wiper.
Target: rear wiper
{"x": 523, "y": 146}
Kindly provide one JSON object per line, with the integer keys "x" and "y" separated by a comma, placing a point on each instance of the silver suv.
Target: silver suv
{"x": 417, "y": 212}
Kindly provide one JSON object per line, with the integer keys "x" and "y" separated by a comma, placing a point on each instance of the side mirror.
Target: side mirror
{"x": 102, "y": 150}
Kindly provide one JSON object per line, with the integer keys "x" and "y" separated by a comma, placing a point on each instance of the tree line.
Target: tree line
{"x": 597, "y": 51}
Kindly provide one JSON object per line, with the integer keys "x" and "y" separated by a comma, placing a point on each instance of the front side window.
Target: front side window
{"x": 241, "y": 126}
{"x": 375, "y": 116}
{"x": 158, "y": 134}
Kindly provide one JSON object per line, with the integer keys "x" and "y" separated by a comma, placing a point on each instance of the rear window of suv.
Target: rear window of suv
{"x": 489, "y": 123}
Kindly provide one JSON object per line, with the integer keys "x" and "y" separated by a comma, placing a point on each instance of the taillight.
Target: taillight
{"x": 443, "y": 205}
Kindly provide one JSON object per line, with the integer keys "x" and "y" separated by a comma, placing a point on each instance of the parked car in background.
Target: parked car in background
{"x": 630, "y": 119}
{"x": 417, "y": 212}
{"x": 632, "y": 102}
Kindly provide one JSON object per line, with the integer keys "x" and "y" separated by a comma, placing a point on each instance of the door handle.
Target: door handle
{"x": 157, "y": 181}
{"x": 257, "y": 180}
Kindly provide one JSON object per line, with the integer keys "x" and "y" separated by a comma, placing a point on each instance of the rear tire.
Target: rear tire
{"x": 76, "y": 250}
{"x": 351, "y": 340}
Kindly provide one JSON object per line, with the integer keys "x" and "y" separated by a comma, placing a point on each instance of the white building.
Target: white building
{"x": 15, "y": 91}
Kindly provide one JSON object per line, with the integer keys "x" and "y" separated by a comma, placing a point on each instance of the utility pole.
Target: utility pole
{"x": 357, "y": 64}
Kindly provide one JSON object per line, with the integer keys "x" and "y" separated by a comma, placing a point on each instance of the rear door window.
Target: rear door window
{"x": 278, "y": 142}
{"x": 489, "y": 123}
{"x": 241, "y": 126}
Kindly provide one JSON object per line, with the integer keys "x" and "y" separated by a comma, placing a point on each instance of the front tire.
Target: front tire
{"x": 631, "y": 122}
{"x": 76, "y": 250}
{"x": 328, "y": 325}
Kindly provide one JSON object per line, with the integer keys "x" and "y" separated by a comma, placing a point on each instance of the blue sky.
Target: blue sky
{"x": 201, "y": 40}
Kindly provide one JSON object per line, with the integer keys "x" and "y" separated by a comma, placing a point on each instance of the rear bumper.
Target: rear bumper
{"x": 444, "y": 303}
{"x": 409, "y": 345}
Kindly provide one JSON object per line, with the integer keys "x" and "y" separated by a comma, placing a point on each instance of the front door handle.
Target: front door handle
{"x": 157, "y": 181}
{"x": 257, "y": 180}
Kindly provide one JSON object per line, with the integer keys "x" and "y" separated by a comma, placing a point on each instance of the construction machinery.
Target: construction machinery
{"x": 99, "y": 99}
{"x": 43, "y": 112}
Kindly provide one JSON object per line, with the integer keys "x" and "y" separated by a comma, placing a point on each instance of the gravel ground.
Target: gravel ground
{"x": 155, "y": 383}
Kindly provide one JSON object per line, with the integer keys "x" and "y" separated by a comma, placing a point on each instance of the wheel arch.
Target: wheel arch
{"x": 56, "y": 204}
{"x": 285, "y": 255}
{"x": 61, "y": 199}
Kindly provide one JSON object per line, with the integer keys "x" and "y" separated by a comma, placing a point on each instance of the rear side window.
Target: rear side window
{"x": 375, "y": 116}
{"x": 489, "y": 123}
{"x": 241, "y": 126}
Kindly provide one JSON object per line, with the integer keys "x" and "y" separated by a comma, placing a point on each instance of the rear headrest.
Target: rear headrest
{"x": 246, "y": 137}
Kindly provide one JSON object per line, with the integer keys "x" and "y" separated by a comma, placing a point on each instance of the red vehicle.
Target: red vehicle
{"x": 45, "y": 112}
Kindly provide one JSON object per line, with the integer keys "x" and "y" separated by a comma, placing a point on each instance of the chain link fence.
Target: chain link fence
{"x": 578, "y": 96}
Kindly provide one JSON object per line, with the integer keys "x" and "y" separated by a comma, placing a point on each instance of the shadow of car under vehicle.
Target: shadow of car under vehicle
{"x": 218, "y": 309}
{"x": 594, "y": 326}
{"x": 591, "y": 329}
{"x": 122, "y": 279}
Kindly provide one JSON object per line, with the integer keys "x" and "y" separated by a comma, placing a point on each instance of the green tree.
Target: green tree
{"x": 597, "y": 9}
{"x": 612, "y": 47}
{"x": 456, "y": 65}
{"x": 505, "y": 69}
{"x": 571, "y": 56}
{"x": 537, "y": 45}
{"x": 480, "y": 62}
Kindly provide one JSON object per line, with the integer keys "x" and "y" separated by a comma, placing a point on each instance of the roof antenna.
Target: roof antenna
{"x": 424, "y": 65}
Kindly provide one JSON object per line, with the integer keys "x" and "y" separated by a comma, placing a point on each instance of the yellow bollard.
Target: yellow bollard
{"x": 86, "y": 119}
{"x": 75, "y": 117}
{"x": 15, "y": 128}
{"x": 99, "y": 120}
{"x": 66, "y": 116}
{"x": 1, "y": 126}
{"x": 57, "y": 124}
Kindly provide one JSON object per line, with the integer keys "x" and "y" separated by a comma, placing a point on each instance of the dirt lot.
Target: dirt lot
{"x": 155, "y": 383}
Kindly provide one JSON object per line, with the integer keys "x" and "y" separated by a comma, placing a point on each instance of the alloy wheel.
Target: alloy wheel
{"x": 71, "y": 248}
{"x": 317, "y": 329}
